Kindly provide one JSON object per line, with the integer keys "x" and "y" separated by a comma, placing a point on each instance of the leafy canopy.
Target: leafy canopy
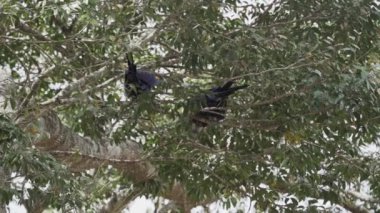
{"x": 299, "y": 128}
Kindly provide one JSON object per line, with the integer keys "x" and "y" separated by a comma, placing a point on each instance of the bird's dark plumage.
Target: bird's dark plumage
{"x": 137, "y": 81}
{"x": 215, "y": 103}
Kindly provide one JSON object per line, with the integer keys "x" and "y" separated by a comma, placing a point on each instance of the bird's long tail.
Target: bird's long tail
{"x": 229, "y": 90}
{"x": 131, "y": 64}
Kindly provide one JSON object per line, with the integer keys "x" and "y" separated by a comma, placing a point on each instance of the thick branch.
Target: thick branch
{"x": 118, "y": 202}
{"x": 81, "y": 153}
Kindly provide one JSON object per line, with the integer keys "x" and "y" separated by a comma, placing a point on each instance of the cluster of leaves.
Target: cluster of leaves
{"x": 39, "y": 171}
{"x": 37, "y": 180}
{"x": 313, "y": 98}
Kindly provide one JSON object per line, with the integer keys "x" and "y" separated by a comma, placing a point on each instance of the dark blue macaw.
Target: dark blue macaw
{"x": 137, "y": 81}
{"x": 214, "y": 103}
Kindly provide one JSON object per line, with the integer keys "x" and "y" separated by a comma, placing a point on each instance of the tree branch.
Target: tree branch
{"x": 75, "y": 86}
{"x": 361, "y": 196}
{"x": 118, "y": 202}
{"x": 81, "y": 153}
{"x": 23, "y": 27}
{"x": 34, "y": 87}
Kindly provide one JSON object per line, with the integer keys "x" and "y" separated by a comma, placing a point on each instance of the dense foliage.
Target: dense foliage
{"x": 299, "y": 129}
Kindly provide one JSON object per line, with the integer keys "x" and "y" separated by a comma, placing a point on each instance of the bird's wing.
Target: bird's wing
{"x": 149, "y": 79}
